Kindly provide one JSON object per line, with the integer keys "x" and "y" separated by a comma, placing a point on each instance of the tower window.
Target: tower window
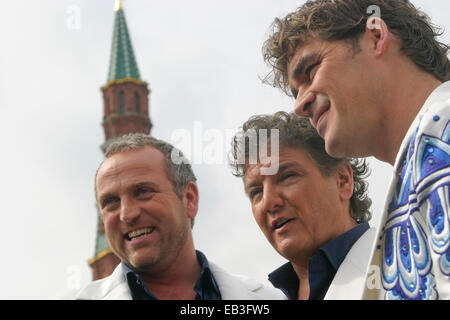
{"x": 121, "y": 102}
{"x": 106, "y": 110}
{"x": 137, "y": 102}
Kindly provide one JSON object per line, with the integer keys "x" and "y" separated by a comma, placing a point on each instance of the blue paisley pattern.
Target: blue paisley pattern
{"x": 409, "y": 238}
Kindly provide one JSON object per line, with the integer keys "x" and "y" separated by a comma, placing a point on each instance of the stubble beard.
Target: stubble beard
{"x": 165, "y": 253}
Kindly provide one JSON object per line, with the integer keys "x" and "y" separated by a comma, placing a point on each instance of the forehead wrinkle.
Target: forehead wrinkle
{"x": 304, "y": 55}
{"x": 256, "y": 178}
{"x": 105, "y": 188}
{"x": 116, "y": 173}
{"x": 141, "y": 162}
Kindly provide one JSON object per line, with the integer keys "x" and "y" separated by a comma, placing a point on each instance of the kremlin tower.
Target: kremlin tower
{"x": 125, "y": 110}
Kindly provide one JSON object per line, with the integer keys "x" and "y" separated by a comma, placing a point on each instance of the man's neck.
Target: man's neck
{"x": 301, "y": 269}
{"x": 401, "y": 108}
{"x": 177, "y": 281}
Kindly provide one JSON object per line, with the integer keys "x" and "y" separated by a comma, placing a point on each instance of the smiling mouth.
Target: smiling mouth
{"x": 135, "y": 234}
{"x": 280, "y": 223}
{"x": 318, "y": 115}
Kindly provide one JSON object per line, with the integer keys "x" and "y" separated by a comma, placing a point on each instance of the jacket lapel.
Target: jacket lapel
{"x": 349, "y": 281}
{"x": 113, "y": 287}
{"x": 234, "y": 287}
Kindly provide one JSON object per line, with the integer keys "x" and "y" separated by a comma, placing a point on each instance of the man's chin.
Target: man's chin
{"x": 334, "y": 147}
{"x": 287, "y": 250}
{"x": 143, "y": 267}
{"x": 143, "y": 263}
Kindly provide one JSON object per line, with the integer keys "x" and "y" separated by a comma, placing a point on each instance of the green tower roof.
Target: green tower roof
{"x": 123, "y": 63}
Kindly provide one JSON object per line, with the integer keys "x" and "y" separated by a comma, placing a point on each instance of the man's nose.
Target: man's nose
{"x": 272, "y": 200}
{"x": 129, "y": 210}
{"x": 303, "y": 104}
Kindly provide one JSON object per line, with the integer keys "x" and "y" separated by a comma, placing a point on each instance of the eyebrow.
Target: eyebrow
{"x": 247, "y": 187}
{"x": 281, "y": 168}
{"x": 301, "y": 64}
{"x": 145, "y": 184}
{"x": 103, "y": 197}
{"x": 286, "y": 166}
{"x": 108, "y": 193}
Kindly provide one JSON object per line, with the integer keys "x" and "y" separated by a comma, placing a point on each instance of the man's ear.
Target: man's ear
{"x": 190, "y": 199}
{"x": 345, "y": 181}
{"x": 377, "y": 36}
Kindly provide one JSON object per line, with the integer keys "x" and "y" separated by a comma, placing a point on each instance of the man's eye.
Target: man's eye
{"x": 287, "y": 176}
{"x": 108, "y": 202}
{"x": 143, "y": 192}
{"x": 254, "y": 193}
{"x": 310, "y": 70}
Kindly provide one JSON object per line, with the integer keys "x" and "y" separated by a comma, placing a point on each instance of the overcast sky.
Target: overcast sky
{"x": 202, "y": 60}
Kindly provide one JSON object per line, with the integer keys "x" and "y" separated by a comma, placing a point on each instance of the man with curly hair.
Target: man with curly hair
{"x": 313, "y": 210}
{"x": 373, "y": 79}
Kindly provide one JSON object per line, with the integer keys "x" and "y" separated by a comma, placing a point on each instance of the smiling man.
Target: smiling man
{"x": 148, "y": 205}
{"x": 313, "y": 211}
{"x": 372, "y": 77}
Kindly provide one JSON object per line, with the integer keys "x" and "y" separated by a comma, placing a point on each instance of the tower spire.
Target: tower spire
{"x": 123, "y": 62}
{"x": 118, "y": 5}
{"x": 125, "y": 110}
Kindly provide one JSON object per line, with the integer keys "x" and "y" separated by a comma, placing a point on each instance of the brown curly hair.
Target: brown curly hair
{"x": 297, "y": 132}
{"x": 333, "y": 20}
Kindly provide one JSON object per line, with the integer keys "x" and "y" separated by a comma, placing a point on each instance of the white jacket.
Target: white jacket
{"x": 350, "y": 279}
{"x": 232, "y": 287}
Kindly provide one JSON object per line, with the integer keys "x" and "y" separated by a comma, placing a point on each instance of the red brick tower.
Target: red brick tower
{"x": 125, "y": 110}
